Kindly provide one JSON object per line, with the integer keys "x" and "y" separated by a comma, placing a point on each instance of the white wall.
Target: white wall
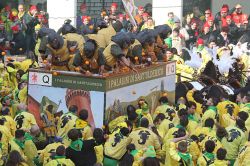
{"x": 60, "y": 10}
{"x": 217, "y": 4}
{"x": 161, "y": 8}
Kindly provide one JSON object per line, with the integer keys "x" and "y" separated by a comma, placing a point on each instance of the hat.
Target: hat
{"x": 223, "y": 10}
{"x": 115, "y": 5}
{"x": 150, "y": 152}
{"x": 200, "y": 41}
{"x": 83, "y": 6}
{"x": 33, "y": 7}
{"x": 228, "y": 17}
{"x": 140, "y": 8}
{"x": 15, "y": 28}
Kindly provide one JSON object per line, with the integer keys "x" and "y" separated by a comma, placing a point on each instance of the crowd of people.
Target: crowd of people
{"x": 193, "y": 131}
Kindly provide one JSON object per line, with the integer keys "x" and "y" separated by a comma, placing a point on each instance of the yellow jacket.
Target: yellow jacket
{"x": 175, "y": 157}
{"x": 143, "y": 138}
{"x": 220, "y": 163}
{"x": 25, "y": 120}
{"x": 191, "y": 98}
{"x": 9, "y": 123}
{"x": 60, "y": 161}
{"x": 99, "y": 153}
{"x": 243, "y": 158}
{"x": 30, "y": 151}
{"x": 223, "y": 108}
{"x": 85, "y": 129}
{"x": 45, "y": 154}
{"x": 115, "y": 146}
{"x": 6, "y": 138}
{"x": 234, "y": 142}
{"x": 14, "y": 146}
{"x": 218, "y": 144}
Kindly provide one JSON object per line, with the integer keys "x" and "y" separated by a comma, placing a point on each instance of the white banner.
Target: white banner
{"x": 37, "y": 78}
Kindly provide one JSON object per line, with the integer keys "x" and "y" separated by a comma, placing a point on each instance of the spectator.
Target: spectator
{"x": 149, "y": 24}
{"x": 223, "y": 39}
{"x": 138, "y": 17}
{"x": 193, "y": 34}
{"x": 170, "y": 21}
{"x": 17, "y": 42}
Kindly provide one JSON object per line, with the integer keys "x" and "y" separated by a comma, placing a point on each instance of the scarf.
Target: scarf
{"x": 210, "y": 156}
{"x": 134, "y": 152}
{"x": 19, "y": 143}
{"x": 77, "y": 145}
{"x": 20, "y": 15}
{"x": 200, "y": 48}
{"x": 59, "y": 157}
{"x": 186, "y": 157}
{"x": 213, "y": 108}
{"x": 27, "y": 137}
{"x": 179, "y": 126}
{"x": 192, "y": 117}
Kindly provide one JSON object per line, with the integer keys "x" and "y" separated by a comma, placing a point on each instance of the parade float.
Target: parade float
{"x": 105, "y": 97}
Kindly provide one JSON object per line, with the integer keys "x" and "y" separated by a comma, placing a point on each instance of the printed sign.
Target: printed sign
{"x": 36, "y": 78}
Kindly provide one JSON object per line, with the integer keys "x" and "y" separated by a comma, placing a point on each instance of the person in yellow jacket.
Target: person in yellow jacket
{"x": 6, "y": 137}
{"x": 183, "y": 124}
{"x": 115, "y": 53}
{"x": 144, "y": 112}
{"x": 8, "y": 120}
{"x": 62, "y": 58}
{"x": 244, "y": 103}
{"x": 180, "y": 154}
{"x": 192, "y": 114}
{"x": 114, "y": 147}
{"x": 207, "y": 157}
{"x": 60, "y": 158}
{"x": 235, "y": 140}
{"x": 7, "y": 102}
{"x": 216, "y": 141}
{"x": 243, "y": 156}
{"x": 12, "y": 83}
{"x": 221, "y": 158}
{"x": 49, "y": 151}
{"x": 163, "y": 124}
{"x": 190, "y": 97}
{"x": 15, "y": 158}
{"x": 206, "y": 130}
{"x": 66, "y": 123}
{"x": 82, "y": 124}
{"x": 163, "y": 108}
{"x": 211, "y": 110}
{"x": 143, "y": 137}
{"x": 226, "y": 106}
{"x": 24, "y": 120}
{"x": 18, "y": 143}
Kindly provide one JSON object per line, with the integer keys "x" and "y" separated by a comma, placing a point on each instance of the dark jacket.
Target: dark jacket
{"x": 18, "y": 45}
{"x": 85, "y": 157}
